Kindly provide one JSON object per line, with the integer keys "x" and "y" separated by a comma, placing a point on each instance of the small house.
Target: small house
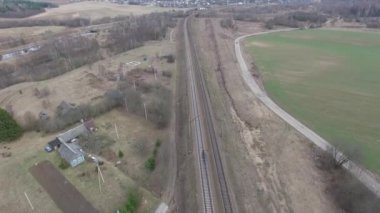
{"x": 72, "y": 153}
{"x": 68, "y": 149}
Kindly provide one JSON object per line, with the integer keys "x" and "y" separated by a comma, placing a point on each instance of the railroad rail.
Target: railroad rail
{"x": 198, "y": 131}
{"x": 200, "y": 94}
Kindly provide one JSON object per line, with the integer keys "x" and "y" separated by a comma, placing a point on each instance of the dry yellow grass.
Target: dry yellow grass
{"x": 29, "y": 31}
{"x": 96, "y": 10}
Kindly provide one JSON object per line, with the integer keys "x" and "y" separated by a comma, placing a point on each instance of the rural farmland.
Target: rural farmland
{"x": 124, "y": 106}
{"x": 329, "y": 79}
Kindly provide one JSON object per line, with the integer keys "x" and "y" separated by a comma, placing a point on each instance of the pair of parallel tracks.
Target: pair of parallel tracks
{"x": 201, "y": 108}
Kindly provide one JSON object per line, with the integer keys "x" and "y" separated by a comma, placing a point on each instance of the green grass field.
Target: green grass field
{"x": 329, "y": 80}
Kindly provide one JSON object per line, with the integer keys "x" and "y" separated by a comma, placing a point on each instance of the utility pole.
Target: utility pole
{"x": 100, "y": 172}
{"x": 100, "y": 186}
{"x": 30, "y": 203}
{"x": 146, "y": 115}
{"x": 125, "y": 102}
{"x": 117, "y": 133}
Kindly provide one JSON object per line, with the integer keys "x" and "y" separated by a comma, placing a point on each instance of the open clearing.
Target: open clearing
{"x": 96, "y": 10}
{"x": 329, "y": 80}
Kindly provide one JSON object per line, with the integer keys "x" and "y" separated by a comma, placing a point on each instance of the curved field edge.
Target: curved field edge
{"x": 329, "y": 80}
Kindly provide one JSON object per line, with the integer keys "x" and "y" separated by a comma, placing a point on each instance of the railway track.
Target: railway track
{"x": 204, "y": 128}
{"x": 198, "y": 131}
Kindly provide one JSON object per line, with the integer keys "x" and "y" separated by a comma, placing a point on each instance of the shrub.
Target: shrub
{"x": 145, "y": 87}
{"x": 156, "y": 147}
{"x": 95, "y": 143}
{"x": 167, "y": 73}
{"x": 132, "y": 203}
{"x": 169, "y": 58}
{"x": 158, "y": 143}
{"x": 373, "y": 24}
{"x": 134, "y": 101}
{"x": 159, "y": 107}
{"x": 9, "y": 129}
{"x": 227, "y": 23}
{"x": 121, "y": 154}
{"x": 269, "y": 24}
{"x": 150, "y": 164}
{"x": 30, "y": 121}
{"x": 141, "y": 146}
{"x": 63, "y": 164}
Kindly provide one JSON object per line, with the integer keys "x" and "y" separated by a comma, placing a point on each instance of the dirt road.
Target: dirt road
{"x": 364, "y": 176}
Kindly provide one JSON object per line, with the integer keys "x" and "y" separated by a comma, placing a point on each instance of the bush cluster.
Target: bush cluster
{"x": 297, "y": 19}
{"x": 132, "y": 203}
{"x": 9, "y": 129}
{"x": 169, "y": 58}
{"x": 227, "y": 23}
{"x": 63, "y": 164}
{"x": 150, "y": 164}
{"x": 121, "y": 154}
{"x": 159, "y": 107}
{"x": 53, "y": 59}
{"x": 22, "y": 8}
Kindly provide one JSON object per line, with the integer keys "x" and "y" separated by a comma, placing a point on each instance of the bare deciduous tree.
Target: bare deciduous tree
{"x": 30, "y": 121}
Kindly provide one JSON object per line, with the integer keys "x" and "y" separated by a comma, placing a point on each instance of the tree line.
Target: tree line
{"x": 134, "y": 31}
{"x": 9, "y": 129}
{"x": 354, "y": 8}
{"x": 22, "y": 8}
{"x": 77, "y": 22}
{"x": 297, "y": 19}
{"x": 367, "y": 12}
{"x": 54, "y": 58}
